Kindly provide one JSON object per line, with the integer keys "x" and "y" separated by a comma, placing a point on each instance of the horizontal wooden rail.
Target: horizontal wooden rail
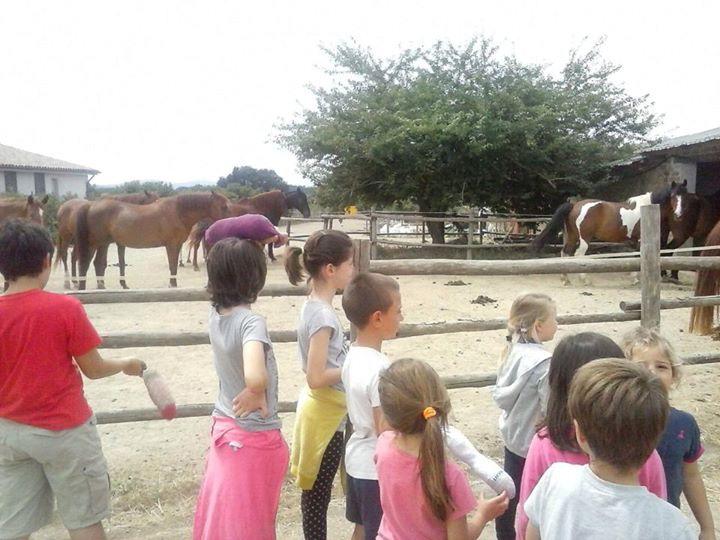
{"x": 205, "y": 409}
{"x": 134, "y": 296}
{"x": 557, "y": 265}
{"x": 123, "y": 340}
{"x": 676, "y": 303}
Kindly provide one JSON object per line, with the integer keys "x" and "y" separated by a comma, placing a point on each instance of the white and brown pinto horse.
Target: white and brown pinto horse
{"x": 592, "y": 220}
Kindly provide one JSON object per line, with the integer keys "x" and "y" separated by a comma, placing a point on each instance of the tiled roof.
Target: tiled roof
{"x": 14, "y": 158}
{"x": 686, "y": 140}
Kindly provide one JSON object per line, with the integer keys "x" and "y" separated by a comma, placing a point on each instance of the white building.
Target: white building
{"x": 30, "y": 173}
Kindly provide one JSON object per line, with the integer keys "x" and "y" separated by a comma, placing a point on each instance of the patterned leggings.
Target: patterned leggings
{"x": 314, "y": 502}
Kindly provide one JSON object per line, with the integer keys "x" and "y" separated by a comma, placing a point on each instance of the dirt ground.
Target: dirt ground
{"x": 156, "y": 466}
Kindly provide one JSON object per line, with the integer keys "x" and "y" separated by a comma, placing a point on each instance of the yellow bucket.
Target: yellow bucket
{"x": 351, "y": 210}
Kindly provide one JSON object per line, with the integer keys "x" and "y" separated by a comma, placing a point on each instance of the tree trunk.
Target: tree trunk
{"x": 437, "y": 231}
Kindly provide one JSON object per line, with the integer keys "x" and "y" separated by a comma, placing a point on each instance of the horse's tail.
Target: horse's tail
{"x": 61, "y": 250}
{"x": 197, "y": 234}
{"x": 82, "y": 237}
{"x": 552, "y": 229}
{"x": 707, "y": 283}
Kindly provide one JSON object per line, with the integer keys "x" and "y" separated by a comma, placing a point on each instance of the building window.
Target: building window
{"x": 39, "y": 183}
{"x": 10, "y": 182}
{"x": 55, "y": 187}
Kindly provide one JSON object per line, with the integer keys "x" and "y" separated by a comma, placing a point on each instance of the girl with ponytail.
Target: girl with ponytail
{"x": 423, "y": 495}
{"x": 521, "y": 390}
{"x": 318, "y": 441}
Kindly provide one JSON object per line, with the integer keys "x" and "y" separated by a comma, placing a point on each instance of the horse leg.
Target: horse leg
{"x": 100, "y": 264}
{"x": 121, "y": 263}
{"x": 73, "y": 268}
{"x": 195, "y": 264}
{"x": 83, "y": 267}
{"x": 63, "y": 251}
{"x": 569, "y": 247}
{"x": 180, "y": 259}
{"x": 190, "y": 248}
{"x": 173, "y": 252}
{"x": 270, "y": 252}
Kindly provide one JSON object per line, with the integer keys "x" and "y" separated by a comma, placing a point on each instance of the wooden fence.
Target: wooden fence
{"x": 647, "y": 311}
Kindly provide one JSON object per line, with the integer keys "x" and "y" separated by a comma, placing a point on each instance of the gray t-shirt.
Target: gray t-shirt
{"x": 314, "y": 316}
{"x": 228, "y": 334}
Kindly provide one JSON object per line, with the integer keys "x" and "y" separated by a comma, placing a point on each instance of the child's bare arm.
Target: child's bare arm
{"x": 95, "y": 366}
{"x": 380, "y": 421}
{"x": 694, "y": 490}
{"x": 318, "y": 374}
{"x": 457, "y": 529}
{"x": 532, "y": 533}
{"x": 252, "y": 397}
{"x": 487, "y": 510}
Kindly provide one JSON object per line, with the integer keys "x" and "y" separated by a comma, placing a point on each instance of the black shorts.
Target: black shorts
{"x": 363, "y": 505}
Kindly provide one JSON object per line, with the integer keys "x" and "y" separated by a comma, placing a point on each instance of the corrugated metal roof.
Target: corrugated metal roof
{"x": 14, "y": 158}
{"x": 686, "y": 140}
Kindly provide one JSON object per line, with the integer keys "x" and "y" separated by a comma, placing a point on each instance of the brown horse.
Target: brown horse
{"x": 594, "y": 220}
{"x": 693, "y": 216}
{"x": 272, "y": 204}
{"x": 67, "y": 217}
{"x": 29, "y": 209}
{"x": 707, "y": 283}
{"x": 165, "y": 222}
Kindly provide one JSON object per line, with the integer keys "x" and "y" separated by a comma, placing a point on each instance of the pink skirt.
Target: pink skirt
{"x": 240, "y": 491}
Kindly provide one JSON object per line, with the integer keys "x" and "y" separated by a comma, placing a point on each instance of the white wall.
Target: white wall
{"x": 67, "y": 183}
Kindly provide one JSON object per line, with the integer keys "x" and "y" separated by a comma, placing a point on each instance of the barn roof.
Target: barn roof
{"x": 14, "y": 158}
{"x": 686, "y": 140}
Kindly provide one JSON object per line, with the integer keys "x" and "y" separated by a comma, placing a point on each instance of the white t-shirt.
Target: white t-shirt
{"x": 360, "y": 377}
{"x": 571, "y": 502}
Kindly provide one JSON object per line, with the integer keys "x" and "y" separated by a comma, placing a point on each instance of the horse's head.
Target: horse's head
{"x": 150, "y": 196}
{"x": 298, "y": 200}
{"x": 34, "y": 209}
{"x": 219, "y": 206}
{"x": 677, "y": 198}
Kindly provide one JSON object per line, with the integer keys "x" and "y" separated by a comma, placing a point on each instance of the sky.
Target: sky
{"x": 183, "y": 91}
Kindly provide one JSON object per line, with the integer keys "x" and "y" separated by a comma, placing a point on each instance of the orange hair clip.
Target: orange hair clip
{"x": 429, "y": 412}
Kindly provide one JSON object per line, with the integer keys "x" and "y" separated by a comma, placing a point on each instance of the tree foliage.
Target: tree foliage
{"x": 444, "y": 126}
{"x": 253, "y": 180}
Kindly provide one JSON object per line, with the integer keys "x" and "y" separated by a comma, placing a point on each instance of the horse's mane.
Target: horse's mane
{"x": 261, "y": 196}
{"x": 661, "y": 196}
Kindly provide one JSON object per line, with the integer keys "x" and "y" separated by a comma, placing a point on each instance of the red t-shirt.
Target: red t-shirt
{"x": 40, "y": 384}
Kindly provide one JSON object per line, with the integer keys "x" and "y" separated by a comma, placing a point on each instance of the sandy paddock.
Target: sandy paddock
{"x": 156, "y": 466}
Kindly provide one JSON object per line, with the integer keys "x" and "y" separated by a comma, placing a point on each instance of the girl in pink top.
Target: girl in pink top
{"x": 555, "y": 442}
{"x": 423, "y": 496}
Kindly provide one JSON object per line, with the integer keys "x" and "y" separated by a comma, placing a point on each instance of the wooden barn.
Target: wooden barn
{"x": 695, "y": 158}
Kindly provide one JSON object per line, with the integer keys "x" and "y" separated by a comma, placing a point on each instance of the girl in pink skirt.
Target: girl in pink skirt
{"x": 248, "y": 457}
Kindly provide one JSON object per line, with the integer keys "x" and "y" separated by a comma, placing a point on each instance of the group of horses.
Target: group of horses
{"x": 683, "y": 215}
{"x": 141, "y": 220}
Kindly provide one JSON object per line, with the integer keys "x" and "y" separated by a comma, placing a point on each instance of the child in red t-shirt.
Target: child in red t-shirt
{"x": 49, "y": 445}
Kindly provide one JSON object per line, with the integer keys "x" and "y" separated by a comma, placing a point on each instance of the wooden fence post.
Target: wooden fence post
{"x": 373, "y": 236}
{"x": 481, "y": 225}
{"x": 326, "y": 223}
{"x": 470, "y": 234}
{"x": 423, "y": 232}
{"x": 650, "y": 265}
{"x": 361, "y": 262}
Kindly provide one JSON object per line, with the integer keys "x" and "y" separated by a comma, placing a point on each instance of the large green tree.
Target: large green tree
{"x": 444, "y": 126}
{"x": 255, "y": 179}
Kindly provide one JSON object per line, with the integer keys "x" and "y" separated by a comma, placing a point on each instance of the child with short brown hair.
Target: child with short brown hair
{"x": 680, "y": 446}
{"x": 619, "y": 411}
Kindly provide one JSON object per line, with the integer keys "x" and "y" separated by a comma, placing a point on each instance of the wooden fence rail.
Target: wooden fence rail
{"x": 205, "y": 409}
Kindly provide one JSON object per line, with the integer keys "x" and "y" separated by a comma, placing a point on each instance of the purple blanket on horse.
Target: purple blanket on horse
{"x": 248, "y": 226}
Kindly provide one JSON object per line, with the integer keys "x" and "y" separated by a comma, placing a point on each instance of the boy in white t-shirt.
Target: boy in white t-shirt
{"x": 372, "y": 303}
{"x": 619, "y": 410}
